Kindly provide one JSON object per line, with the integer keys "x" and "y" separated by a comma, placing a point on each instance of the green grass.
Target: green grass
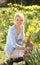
{"x": 3, "y": 56}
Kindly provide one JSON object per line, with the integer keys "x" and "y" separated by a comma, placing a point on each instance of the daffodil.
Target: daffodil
{"x": 9, "y": 26}
{"x": 27, "y": 33}
{"x": 1, "y": 33}
{"x": 25, "y": 39}
{"x": 37, "y": 30}
{"x": 39, "y": 45}
{"x": 6, "y": 31}
{"x": 0, "y": 12}
{"x": 33, "y": 24}
{"x": 3, "y": 23}
{"x": 31, "y": 29}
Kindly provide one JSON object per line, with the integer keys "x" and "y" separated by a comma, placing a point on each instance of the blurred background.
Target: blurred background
{"x": 22, "y": 2}
{"x": 31, "y": 11}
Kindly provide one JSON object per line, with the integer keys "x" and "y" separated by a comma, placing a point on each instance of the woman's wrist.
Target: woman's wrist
{"x": 21, "y": 48}
{"x": 27, "y": 49}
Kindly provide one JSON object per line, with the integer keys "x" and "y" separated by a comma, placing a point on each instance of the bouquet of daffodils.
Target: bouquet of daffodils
{"x": 29, "y": 45}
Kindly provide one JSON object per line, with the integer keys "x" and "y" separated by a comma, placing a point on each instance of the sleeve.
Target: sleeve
{"x": 18, "y": 45}
{"x": 12, "y": 38}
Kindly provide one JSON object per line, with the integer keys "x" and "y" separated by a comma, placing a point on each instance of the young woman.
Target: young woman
{"x": 15, "y": 37}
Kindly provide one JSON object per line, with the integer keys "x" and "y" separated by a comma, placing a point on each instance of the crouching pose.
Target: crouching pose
{"x": 13, "y": 47}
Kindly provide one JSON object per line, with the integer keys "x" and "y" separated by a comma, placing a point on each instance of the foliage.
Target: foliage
{"x": 33, "y": 57}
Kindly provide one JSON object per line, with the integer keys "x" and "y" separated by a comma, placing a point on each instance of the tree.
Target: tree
{"x": 22, "y": 2}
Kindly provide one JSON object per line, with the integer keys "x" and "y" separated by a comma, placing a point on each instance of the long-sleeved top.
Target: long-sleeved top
{"x": 12, "y": 39}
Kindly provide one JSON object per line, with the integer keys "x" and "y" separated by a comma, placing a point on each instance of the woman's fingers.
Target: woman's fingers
{"x": 27, "y": 49}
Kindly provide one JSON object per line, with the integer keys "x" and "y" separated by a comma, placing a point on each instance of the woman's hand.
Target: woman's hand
{"x": 27, "y": 49}
{"x": 21, "y": 48}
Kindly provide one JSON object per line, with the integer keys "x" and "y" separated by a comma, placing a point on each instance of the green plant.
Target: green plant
{"x": 33, "y": 57}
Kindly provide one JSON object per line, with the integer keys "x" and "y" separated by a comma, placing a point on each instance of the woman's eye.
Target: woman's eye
{"x": 17, "y": 20}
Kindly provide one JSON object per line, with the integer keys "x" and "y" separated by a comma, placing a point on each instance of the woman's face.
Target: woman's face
{"x": 19, "y": 20}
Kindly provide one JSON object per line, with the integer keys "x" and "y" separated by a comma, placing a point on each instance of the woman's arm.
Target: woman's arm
{"x": 23, "y": 48}
{"x": 12, "y": 38}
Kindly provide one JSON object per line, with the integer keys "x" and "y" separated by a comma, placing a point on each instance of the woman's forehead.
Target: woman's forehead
{"x": 19, "y": 17}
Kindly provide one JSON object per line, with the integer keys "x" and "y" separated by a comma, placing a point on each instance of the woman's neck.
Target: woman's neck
{"x": 18, "y": 28}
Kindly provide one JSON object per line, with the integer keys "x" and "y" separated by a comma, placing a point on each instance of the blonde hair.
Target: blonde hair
{"x": 20, "y": 15}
